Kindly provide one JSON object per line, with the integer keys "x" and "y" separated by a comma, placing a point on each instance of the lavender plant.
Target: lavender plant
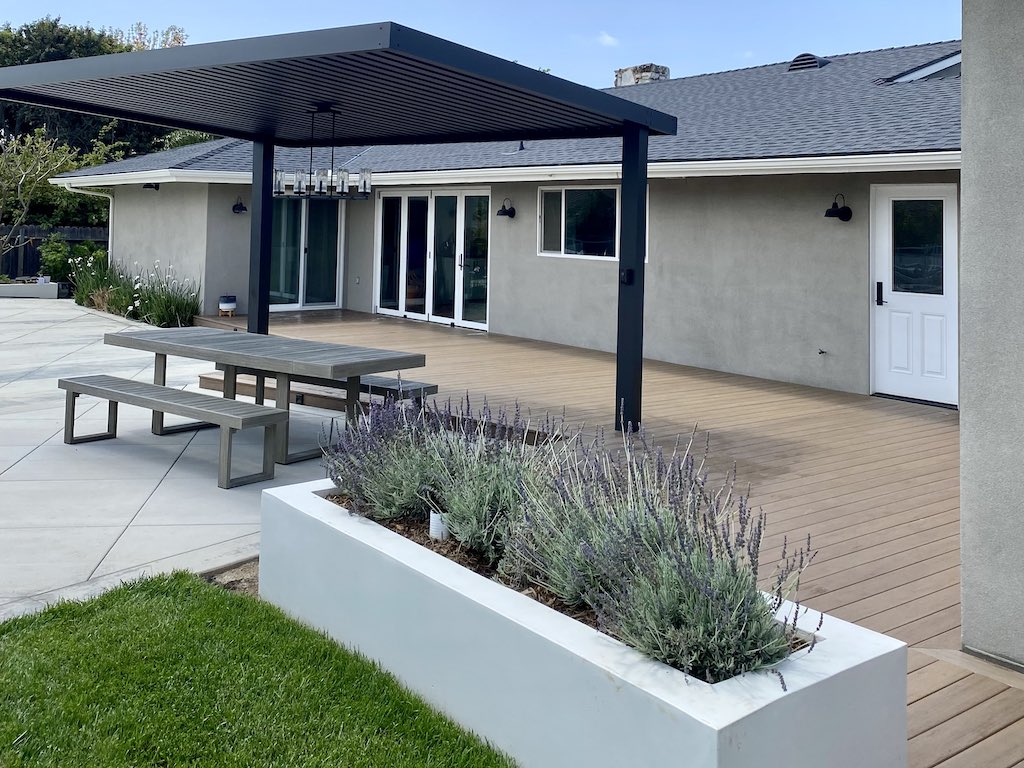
{"x": 669, "y": 564}
{"x": 381, "y": 464}
{"x": 483, "y": 459}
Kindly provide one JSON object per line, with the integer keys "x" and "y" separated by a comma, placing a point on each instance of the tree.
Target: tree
{"x": 50, "y": 40}
{"x": 139, "y": 37}
{"x": 26, "y": 162}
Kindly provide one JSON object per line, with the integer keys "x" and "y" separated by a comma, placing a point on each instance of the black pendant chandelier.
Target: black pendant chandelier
{"x": 329, "y": 183}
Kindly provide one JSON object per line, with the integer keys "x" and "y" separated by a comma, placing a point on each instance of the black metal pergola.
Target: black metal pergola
{"x": 385, "y": 84}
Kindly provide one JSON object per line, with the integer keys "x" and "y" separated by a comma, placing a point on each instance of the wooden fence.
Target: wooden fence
{"x": 25, "y": 259}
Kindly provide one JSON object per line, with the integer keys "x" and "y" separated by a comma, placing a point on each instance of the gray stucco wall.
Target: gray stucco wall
{"x": 227, "y": 246}
{"x": 167, "y": 225}
{"x": 359, "y": 231}
{"x": 567, "y": 301}
{"x": 745, "y": 275}
{"x": 991, "y": 329}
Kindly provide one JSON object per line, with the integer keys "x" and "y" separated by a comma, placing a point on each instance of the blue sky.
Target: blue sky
{"x": 579, "y": 41}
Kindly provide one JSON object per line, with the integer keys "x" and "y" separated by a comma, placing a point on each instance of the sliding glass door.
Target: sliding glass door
{"x": 305, "y": 258}
{"x": 433, "y": 256}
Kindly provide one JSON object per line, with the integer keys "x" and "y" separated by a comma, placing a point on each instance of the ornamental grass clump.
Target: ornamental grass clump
{"x": 153, "y": 296}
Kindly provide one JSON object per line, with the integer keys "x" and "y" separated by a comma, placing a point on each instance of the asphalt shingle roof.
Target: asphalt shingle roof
{"x": 847, "y": 107}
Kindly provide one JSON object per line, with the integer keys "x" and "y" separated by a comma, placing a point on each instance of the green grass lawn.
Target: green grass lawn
{"x": 172, "y": 671}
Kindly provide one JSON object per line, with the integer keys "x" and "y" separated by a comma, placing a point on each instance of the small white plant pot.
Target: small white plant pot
{"x": 438, "y": 528}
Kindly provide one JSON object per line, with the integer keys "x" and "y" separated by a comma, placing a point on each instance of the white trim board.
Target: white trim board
{"x": 878, "y": 163}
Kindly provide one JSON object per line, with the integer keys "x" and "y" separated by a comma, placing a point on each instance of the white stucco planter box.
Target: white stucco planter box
{"x": 28, "y": 290}
{"x": 550, "y": 691}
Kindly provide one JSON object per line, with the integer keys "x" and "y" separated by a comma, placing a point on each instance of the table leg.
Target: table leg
{"x": 352, "y": 407}
{"x": 283, "y": 400}
{"x": 159, "y": 378}
{"x": 230, "y": 381}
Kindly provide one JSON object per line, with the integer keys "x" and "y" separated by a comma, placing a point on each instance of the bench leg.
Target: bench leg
{"x": 69, "y": 422}
{"x": 160, "y": 377}
{"x": 224, "y": 479}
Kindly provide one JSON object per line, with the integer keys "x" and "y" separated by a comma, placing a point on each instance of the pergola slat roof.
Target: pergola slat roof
{"x": 384, "y": 84}
{"x": 387, "y": 84}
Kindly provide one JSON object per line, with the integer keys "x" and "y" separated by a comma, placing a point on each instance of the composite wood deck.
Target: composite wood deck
{"x": 875, "y": 482}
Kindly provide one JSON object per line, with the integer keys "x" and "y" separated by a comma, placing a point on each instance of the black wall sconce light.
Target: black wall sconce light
{"x": 843, "y": 213}
{"x": 239, "y": 206}
{"x": 507, "y": 209}
{"x": 154, "y": 187}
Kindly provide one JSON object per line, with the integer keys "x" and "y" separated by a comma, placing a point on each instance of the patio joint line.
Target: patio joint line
{"x": 138, "y": 511}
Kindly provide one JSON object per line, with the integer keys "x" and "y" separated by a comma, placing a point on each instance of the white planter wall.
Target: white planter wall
{"x": 28, "y": 290}
{"x": 550, "y": 691}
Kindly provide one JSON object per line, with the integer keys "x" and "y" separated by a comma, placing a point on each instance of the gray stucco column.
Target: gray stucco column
{"x": 629, "y": 346}
{"x": 259, "y": 236}
{"x": 992, "y": 331}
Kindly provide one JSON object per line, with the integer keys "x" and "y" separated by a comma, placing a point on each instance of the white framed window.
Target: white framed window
{"x": 579, "y": 222}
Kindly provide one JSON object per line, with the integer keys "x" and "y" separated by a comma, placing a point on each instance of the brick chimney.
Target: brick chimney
{"x": 641, "y": 73}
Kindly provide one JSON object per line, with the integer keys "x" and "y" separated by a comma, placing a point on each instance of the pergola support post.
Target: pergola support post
{"x": 629, "y": 347}
{"x": 259, "y": 236}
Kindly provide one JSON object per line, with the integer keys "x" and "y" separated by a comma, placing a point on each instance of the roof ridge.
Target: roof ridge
{"x": 777, "y": 63}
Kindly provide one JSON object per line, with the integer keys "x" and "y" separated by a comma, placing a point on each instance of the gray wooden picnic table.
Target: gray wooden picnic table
{"x": 336, "y": 365}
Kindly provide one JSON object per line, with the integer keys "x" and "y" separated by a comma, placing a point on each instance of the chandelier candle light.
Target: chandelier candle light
{"x": 332, "y": 183}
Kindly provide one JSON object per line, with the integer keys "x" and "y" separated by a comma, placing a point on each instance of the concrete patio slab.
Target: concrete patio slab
{"x": 146, "y": 543}
{"x": 78, "y": 519}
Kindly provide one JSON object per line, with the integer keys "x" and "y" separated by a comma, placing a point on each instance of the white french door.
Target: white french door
{"x": 914, "y": 253}
{"x": 432, "y": 258}
{"x": 306, "y": 253}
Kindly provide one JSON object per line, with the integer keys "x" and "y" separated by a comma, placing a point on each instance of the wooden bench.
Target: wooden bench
{"x": 230, "y": 415}
{"x": 318, "y": 393}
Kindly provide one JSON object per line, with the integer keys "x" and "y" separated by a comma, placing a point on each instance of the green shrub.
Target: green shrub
{"x": 58, "y": 256}
{"x": 55, "y": 258}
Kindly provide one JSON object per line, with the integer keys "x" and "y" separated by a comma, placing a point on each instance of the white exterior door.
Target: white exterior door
{"x": 914, "y": 252}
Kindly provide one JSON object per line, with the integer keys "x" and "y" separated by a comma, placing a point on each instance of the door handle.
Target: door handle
{"x": 878, "y": 295}
{"x": 460, "y": 261}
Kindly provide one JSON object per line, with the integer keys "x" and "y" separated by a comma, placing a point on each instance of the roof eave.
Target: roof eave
{"x": 941, "y": 160}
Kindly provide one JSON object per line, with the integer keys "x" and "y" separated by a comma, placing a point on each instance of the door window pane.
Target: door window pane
{"x": 474, "y": 274}
{"x": 551, "y": 221}
{"x": 390, "y": 245}
{"x": 322, "y": 253}
{"x": 416, "y": 257}
{"x": 590, "y": 222}
{"x": 445, "y": 233}
{"x": 917, "y": 246}
{"x": 285, "y": 251}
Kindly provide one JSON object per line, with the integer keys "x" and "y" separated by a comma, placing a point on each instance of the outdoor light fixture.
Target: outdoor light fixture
{"x": 507, "y": 210}
{"x": 239, "y": 206}
{"x": 154, "y": 187}
{"x": 330, "y": 182}
{"x": 836, "y": 212}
